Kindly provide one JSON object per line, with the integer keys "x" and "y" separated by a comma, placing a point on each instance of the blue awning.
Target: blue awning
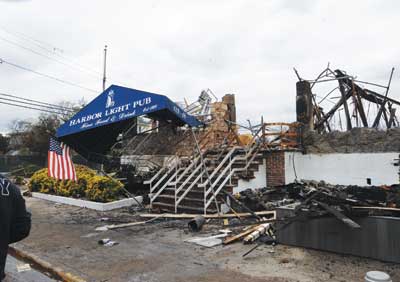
{"x": 93, "y": 130}
{"x": 118, "y": 103}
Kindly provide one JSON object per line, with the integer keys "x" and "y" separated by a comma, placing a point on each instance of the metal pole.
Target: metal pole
{"x": 104, "y": 69}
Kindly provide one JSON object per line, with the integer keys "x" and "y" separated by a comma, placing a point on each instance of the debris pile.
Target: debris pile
{"x": 308, "y": 192}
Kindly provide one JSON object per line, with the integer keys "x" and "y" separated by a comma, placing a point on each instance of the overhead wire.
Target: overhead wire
{"x": 46, "y": 56}
{"x": 29, "y": 107}
{"x": 38, "y": 102}
{"x": 70, "y": 60}
{"x": 34, "y": 104}
{"x": 48, "y": 76}
{"x": 53, "y": 49}
{"x": 41, "y": 44}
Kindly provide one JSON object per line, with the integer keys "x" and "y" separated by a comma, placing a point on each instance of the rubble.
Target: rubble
{"x": 341, "y": 195}
{"x": 356, "y": 140}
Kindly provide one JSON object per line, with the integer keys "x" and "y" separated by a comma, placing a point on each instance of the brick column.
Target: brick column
{"x": 275, "y": 165}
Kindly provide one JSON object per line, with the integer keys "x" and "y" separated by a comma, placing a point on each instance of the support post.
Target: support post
{"x": 381, "y": 109}
{"x": 346, "y": 108}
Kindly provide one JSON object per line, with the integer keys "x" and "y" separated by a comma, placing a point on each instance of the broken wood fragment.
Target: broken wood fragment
{"x": 212, "y": 216}
{"x": 346, "y": 220}
{"x": 123, "y": 225}
{"x": 231, "y": 239}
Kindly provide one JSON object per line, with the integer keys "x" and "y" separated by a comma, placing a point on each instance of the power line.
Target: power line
{"x": 52, "y": 51}
{"x": 31, "y": 108}
{"x": 34, "y": 104}
{"x": 48, "y": 57}
{"x": 39, "y": 43}
{"x": 48, "y": 76}
{"x": 39, "y": 102}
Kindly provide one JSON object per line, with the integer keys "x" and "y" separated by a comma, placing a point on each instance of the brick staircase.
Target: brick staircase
{"x": 192, "y": 186}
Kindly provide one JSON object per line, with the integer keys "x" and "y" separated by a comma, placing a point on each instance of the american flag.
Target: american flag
{"x": 60, "y": 165}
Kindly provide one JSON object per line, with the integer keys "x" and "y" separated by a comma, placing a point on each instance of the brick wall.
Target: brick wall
{"x": 275, "y": 165}
{"x": 170, "y": 140}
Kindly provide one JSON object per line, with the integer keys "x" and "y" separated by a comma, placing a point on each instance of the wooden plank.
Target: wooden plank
{"x": 189, "y": 216}
{"x": 123, "y": 225}
{"x": 240, "y": 235}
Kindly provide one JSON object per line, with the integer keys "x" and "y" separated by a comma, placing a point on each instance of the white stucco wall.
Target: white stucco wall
{"x": 346, "y": 169}
{"x": 260, "y": 180}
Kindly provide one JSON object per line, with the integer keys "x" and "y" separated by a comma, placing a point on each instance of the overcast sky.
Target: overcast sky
{"x": 177, "y": 48}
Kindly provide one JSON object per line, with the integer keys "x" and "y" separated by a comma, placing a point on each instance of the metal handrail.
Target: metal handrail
{"x": 221, "y": 164}
{"x": 249, "y": 150}
{"x": 164, "y": 186}
{"x": 155, "y": 176}
{"x": 231, "y": 173}
{"x": 187, "y": 169}
{"x": 187, "y": 179}
{"x": 188, "y": 189}
{"x": 229, "y": 166}
{"x": 170, "y": 179}
{"x": 162, "y": 178}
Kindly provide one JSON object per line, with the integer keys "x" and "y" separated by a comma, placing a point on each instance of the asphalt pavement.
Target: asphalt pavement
{"x": 19, "y": 271}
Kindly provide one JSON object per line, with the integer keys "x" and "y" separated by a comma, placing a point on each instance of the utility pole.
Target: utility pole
{"x": 104, "y": 70}
{"x": 104, "y": 88}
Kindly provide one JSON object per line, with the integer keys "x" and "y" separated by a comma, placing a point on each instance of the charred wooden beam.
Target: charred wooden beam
{"x": 333, "y": 110}
{"x": 346, "y": 220}
{"x": 370, "y": 95}
{"x": 346, "y": 107}
{"x": 382, "y": 108}
{"x": 392, "y": 116}
{"x": 359, "y": 105}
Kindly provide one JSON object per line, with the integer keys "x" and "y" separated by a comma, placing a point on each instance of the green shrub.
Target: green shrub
{"x": 89, "y": 185}
{"x": 103, "y": 189}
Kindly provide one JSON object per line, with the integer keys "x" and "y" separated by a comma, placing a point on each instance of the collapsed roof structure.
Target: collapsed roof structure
{"x": 362, "y": 106}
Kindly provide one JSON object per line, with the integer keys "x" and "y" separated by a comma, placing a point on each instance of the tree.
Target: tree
{"x": 39, "y": 133}
{"x": 35, "y": 136}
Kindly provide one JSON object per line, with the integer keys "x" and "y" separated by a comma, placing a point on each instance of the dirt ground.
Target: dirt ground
{"x": 65, "y": 236}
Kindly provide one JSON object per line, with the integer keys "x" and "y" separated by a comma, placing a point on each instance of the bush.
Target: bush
{"x": 103, "y": 189}
{"x": 89, "y": 185}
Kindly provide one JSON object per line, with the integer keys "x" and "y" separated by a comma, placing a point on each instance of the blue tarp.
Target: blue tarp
{"x": 117, "y": 104}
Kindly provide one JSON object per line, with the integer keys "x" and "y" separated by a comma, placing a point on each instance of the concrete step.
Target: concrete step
{"x": 163, "y": 207}
{"x": 187, "y": 201}
{"x": 194, "y": 193}
{"x": 234, "y": 180}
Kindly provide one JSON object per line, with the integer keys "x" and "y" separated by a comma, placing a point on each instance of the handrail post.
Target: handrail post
{"x": 230, "y": 170}
{"x": 151, "y": 195}
{"x": 205, "y": 200}
{"x": 176, "y": 179}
